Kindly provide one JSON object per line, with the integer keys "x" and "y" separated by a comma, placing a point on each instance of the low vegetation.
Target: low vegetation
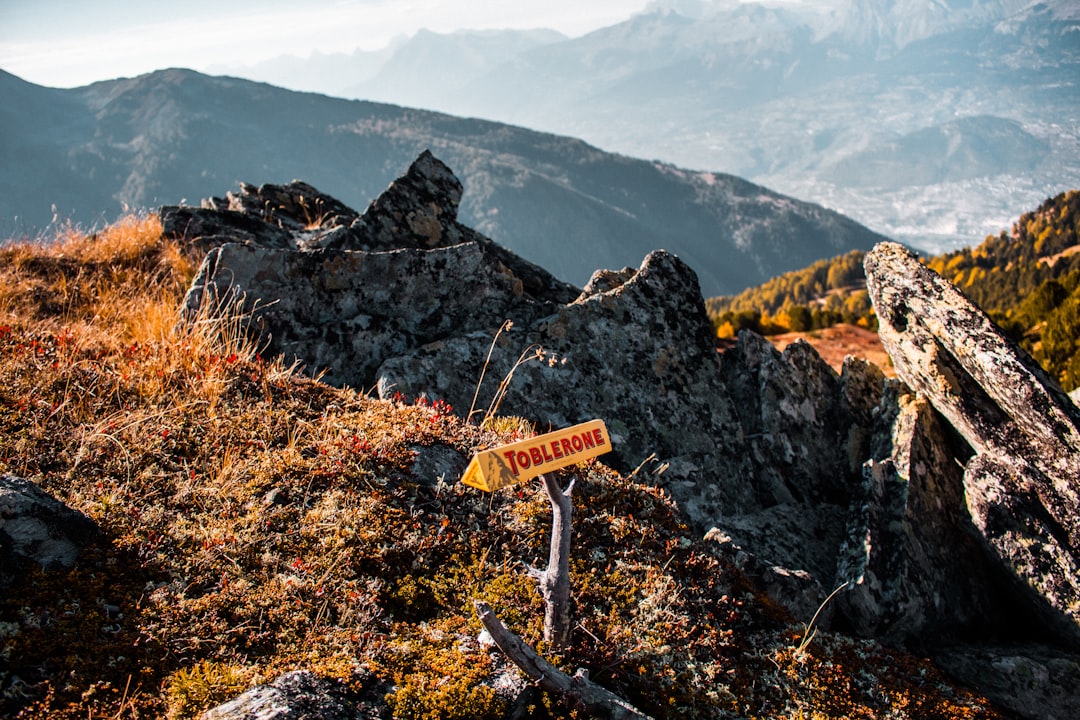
{"x": 256, "y": 521}
{"x": 819, "y": 296}
{"x": 1027, "y": 280}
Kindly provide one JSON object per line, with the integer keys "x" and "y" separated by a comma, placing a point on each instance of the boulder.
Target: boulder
{"x": 636, "y": 353}
{"x": 302, "y": 695}
{"x": 345, "y": 312}
{"x": 1020, "y": 486}
{"x": 36, "y": 528}
{"x": 417, "y": 211}
{"x": 1034, "y": 681}
{"x": 341, "y": 292}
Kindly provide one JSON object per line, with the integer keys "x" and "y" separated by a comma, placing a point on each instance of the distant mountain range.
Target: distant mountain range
{"x": 932, "y": 121}
{"x": 176, "y": 135}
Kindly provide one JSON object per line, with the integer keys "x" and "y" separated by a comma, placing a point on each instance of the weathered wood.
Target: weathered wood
{"x": 555, "y": 580}
{"x": 599, "y": 700}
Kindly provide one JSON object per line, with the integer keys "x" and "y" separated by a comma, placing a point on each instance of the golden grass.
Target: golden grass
{"x": 255, "y": 522}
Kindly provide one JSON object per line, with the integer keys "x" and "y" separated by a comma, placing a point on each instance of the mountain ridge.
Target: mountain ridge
{"x": 781, "y": 93}
{"x": 561, "y": 203}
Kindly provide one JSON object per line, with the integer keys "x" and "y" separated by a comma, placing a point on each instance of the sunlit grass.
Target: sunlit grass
{"x": 255, "y": 521}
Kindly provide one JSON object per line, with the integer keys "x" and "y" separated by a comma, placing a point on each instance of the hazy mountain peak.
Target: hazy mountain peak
{"x": 895, "y": 24}
{"x": 689, "y": 8}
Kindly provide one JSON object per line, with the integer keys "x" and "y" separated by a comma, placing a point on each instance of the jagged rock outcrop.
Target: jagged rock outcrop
{"x": 1021, "y": 486}
{"x": 345, "y": 312}
{"x": 638, "y": 355}
{"x": 406, "y": 299}
{"x": 914, "y": 568}
{"x": 357, "y": 289}
{"x": 302, "y": 695}
{"x": 809, "y": 478}
{"x": 880, "y": 500}
{"x": 417, "y": 211}
{"x": 36, "y": 528}
{"x": 788, "y": 406}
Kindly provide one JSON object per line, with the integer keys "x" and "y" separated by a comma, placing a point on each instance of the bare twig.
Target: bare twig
{"x": 809, "y": 631}
{"x": 472, "y": 408}
{"x": 555, "y": 581}
{"x": 599, "y": 700}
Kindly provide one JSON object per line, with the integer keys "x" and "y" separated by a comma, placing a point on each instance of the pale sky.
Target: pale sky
{"x": 68, "y": 43}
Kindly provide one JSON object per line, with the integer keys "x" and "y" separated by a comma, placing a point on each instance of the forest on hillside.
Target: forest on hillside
{"x": 1027, "y": 279}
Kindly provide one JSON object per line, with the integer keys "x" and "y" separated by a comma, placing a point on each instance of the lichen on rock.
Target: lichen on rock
{"x": 1021, "y": 485}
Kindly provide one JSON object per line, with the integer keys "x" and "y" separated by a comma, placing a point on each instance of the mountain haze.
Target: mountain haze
{"x": 178, "y": 135}
{"x": 797, "y": 96}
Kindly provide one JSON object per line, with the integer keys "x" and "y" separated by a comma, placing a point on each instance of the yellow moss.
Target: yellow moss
{"x": 190, "y": 691}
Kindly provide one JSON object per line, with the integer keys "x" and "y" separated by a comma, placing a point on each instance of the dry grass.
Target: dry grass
{"x": 255, "y": 522}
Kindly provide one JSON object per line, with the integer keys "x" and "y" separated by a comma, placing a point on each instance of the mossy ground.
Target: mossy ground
{"x": 256, "y": 521}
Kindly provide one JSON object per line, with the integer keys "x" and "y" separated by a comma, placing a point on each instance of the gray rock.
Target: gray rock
{"x": 788, "y": 552}
{"x": 1021, "y": 487}
{"x": 797, "y": 591}
{"x": 341, "y": 293}
{"x": 345, "y": 312}
{"x": 862, "y": 387}
{"x": 204, "y": 229}
{"x": 37, "y": 528}
{"x": 296, "y": 208}
{"x": 788, "y": 405}
{"x": 639, "y": 355}
{"x": 302, "y": 695}
{"x": 1034, "y": 681}
{"x": 915, "y": 570}
{"x": 800, "y": 537}
{"x": 417, "y": 211}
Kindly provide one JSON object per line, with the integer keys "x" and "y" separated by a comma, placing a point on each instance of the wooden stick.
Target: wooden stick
{"x": 599, "y": 700}
{"x": 555, "y": 581}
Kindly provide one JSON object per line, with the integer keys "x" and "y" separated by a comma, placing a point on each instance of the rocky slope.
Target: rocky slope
{"x": 940, "y": 505}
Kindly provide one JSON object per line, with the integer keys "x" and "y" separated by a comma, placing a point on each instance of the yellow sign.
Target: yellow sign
{"x": 524, "y": 460}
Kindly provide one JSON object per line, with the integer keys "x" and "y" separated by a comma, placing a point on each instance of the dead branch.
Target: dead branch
{"x": 555, "y": 580}
{"x": 597, "y": 699}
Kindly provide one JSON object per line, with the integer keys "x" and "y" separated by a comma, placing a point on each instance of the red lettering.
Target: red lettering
{"x": 576, "y": 442}
{"x": 598, "y": 436}
{"x": 543, "y": 449}
{"x": 509, "y": 455}
{"x": 523, "y": 460}
{"x": 567, "y": 450}
{"x": 555, "y": 448}
{"x": 537, "y": 458}
{"x": 588, "y": 438}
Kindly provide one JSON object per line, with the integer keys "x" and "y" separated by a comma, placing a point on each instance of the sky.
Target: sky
{"x": 68, "y": 43}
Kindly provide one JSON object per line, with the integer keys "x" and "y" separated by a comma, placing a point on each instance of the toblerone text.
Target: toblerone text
{"x": 492, "y": 469}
